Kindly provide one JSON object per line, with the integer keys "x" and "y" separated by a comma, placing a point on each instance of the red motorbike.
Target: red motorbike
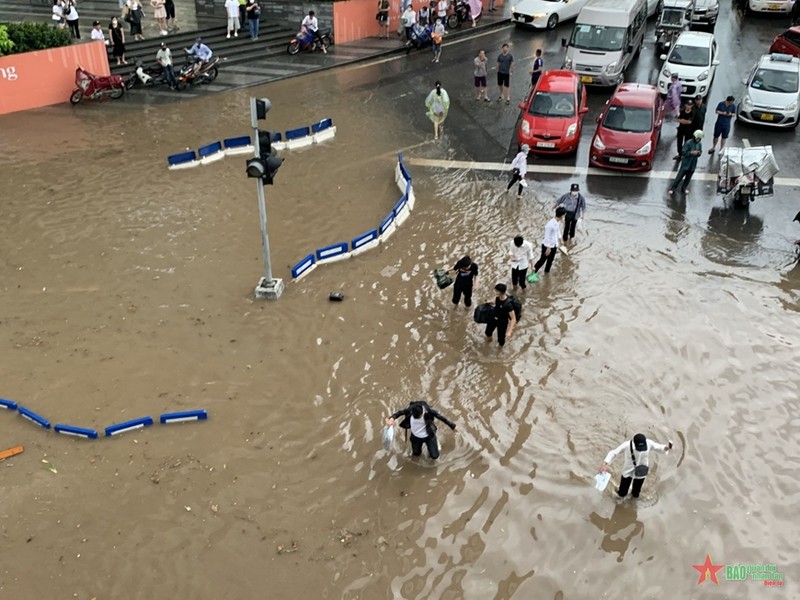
{"x": 93, "y": 87}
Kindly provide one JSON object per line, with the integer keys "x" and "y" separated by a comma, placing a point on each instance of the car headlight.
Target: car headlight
{"x": 792, "y": 107}
{"x": 598, "y": 143}
{"x": 567, "y": 63}
{"x": 513, "y": 8}
{"x": 539, "y": 16}
{"x": 610, "y": 67}
{"x": 747, "y": 102}
{"x": 645, "y": 149}
{"x": 526, "y": 127}
{"x": 572, "y": 129}
{"x": 703, "y": 76}
{"x": 666, "y": 72}
{"x": 713, "y": 10}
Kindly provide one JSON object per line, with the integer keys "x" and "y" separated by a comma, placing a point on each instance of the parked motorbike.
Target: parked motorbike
{"x": 460, "y": 15}
{"x": 205, "y": 74}
{"x": 93, "y": 87}
{"x": 305, "y": 40}
{"x": 421, "y": 37}
{"x": 146, "y": 75}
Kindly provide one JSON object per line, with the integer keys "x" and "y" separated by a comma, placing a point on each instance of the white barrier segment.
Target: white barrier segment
{"x": 324, "y": 135}
{"x": 278, "y": 146}
{"x": 401, "y": 216}
{"x": 399, "y": 179}
{"x": 411, "y": 198}
{"x": 240, "y": 151}
{"x": 186, "y": 165}
{"x": 206, "y": 160}
{"x": 364, "y": 247}
{"x": 299, "y": 142}
{"x": 334, "y": 259}
{"x": 306, "y": 272}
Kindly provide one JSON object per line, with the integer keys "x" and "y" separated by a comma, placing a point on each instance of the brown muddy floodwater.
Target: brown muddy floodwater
{"x": 127, "y": 291}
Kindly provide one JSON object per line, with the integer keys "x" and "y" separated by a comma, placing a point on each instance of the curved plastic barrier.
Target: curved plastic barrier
{"x": 372, "y": 238}
{"x": 211, "y": 153}
{"x": 8, "y": 404}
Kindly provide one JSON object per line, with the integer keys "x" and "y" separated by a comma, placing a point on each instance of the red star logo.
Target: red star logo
{"x": 708, "y": 570}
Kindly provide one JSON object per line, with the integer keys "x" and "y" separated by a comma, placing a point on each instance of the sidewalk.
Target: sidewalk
{"x": 273, "y": 63}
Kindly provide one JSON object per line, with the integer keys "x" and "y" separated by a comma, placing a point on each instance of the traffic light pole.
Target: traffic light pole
{"x": 268, "y": 288}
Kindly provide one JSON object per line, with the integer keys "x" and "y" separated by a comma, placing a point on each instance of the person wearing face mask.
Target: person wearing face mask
{"x": 575, "y": 205}
{"x": 117, "y": 36}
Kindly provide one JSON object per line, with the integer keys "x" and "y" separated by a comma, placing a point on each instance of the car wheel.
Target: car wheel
{"x": 552, "y": 21}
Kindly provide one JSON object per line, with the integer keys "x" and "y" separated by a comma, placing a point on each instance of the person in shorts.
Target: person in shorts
{"x": 480, "y": 77}
{"x": 505, "y": 66}
{"x": 722, "y": 128}
{"x": 383, "y": 18}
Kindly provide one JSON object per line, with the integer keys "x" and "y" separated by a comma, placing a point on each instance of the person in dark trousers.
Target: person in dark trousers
{"x": 637, "y": 462}
{"x": 691, "y": 150}
{"x": 466, "y": 274}
{"x": 699, "y": 112}
{"x": 552, "y": 231}
{"x": 519, "y": 168}
{"x": 503, "y": 318}
{"x": 418, "y": 418}
{"x": 685, "y": 127}
{"x": 575, "y": 205}
{"x": 537, "y": 69}
{"x": 520, "y": 253}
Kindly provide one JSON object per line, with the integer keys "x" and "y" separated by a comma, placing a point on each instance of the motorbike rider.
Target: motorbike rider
{"x": 164, "y": 58}
{"x": 311, "y": 25}
{"x": 202, "y": 54}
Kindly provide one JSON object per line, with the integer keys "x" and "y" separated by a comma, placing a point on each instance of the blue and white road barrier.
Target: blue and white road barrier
{"x": 33, "y": 417}
{"x": 182, "y": 417}
{"x": 89, "y": 434}
{"x": 8, "y": 404}
{"x": 128, "y": 426}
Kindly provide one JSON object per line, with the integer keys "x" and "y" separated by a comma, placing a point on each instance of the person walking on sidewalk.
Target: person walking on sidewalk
{"x": 437, "y": 37}
{"x": 552, "y": 232}
{"x": 722, "y": 128}
{"x": 418, "y": 418}
{"x": 438, "y": 103}
{"x": 537, "y": 69}
{"x": 383, "y": 18}
{"x": 691, "y": 150}
{"x": 505, "y": 68}
{"x": 519, "y": 168}
{"x": 685, "y": 127}
{"x": 232, "y": 8}
{"x": 479, "y": 73}
{"x": 575, "y": 205}
{"x": 520, "y": 253}
{"x": 503, "y": 319}
{"x": 466, "y": 276}
{"x": 637, "y": 462}
{"x": 253, "y": 18}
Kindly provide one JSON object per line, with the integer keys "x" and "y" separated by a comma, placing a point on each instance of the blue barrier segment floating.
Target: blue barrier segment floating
{"x": 277, "y": 137}
{"x": 128, "y": 426}
{"x": 387, "y": 222}
{"x": 76, "y": 431}
{"x": 236, "y": 142}
{"x": 181, "y": 158}
{"x": 187, "y": 415}
{"x": 294, "y": 134}
{"x": 322, "y": 125}
{"x": 209, "y": 149}
{"x": 304, "y": 266}
{"x": 363, "y": 239}
{"x": 331, "y": 251}
{"x": 401, "y": 204}
{"x": 33, "y": 417}
{"x": 8, "y": 404}
{"x": 404, "y": 171}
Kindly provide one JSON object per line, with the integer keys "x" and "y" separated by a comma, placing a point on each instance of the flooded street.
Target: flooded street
{"x": 127, "y": 291}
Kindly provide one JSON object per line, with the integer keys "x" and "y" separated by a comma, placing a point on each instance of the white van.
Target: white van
{"x": 606, "y": 37}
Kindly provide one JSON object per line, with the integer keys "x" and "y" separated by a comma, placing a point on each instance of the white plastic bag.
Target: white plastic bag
{"x": 601, "y": 481}
{"x": 388, "y": 437}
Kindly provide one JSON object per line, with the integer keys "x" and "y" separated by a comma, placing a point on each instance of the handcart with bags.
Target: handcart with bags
{"x": 746, "y": 174}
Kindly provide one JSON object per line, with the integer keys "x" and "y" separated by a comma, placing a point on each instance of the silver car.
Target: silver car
{"x": 772, "y": 96}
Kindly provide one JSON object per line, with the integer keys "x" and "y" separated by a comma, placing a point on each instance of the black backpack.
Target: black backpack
{"x": 516, "y": 304}
{"x": 483, "y": 312}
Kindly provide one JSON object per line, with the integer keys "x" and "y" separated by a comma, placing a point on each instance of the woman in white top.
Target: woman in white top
{"x": 438, "y": 103}
{"x": 58, "y": 14}
{"x": 519, "y": 167}
{"x": 520, "y": 253}
{"x": 441, "y": 10}
{"x": 71, "y": 14}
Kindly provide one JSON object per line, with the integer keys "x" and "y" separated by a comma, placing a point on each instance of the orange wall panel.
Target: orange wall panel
{"x": 46, "y": 77}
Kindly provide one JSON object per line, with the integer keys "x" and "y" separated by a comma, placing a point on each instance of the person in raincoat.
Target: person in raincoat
{"x": 475, "y": 8}
{"x": 438, "y": 103}
{"x": 673, "y": 103}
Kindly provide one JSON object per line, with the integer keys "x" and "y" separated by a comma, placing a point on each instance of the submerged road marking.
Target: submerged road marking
{"x": 559, "y": 170}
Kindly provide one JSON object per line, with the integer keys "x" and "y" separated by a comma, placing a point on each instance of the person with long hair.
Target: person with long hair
{"x": 117, "y": 36}
{"x": 160, "y": 14}
{"x": 438, "y": 103}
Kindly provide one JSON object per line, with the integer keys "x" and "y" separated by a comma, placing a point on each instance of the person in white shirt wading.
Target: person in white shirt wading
{"x": 637, "y": 462}
{"x": 552, "y": 231}
{"x": 419, "y": 418}
{"x": 519, "y": 167}
{"x": 520, "y": 254}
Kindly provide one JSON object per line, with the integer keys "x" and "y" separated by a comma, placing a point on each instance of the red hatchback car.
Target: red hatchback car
{"x": 553, "y": 114}
{"x": 787, "y": 43}
{"x": 629, "y": 128}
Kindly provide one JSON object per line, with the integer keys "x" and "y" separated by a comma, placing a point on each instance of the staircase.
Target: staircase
{"x": 88, "y": 10}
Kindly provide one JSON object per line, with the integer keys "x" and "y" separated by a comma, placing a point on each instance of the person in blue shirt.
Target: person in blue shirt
{"x": 722, "y": 128}
{"x": 201, "y": 52}
{"x": 692, "y": 148}
{"x": 538, "y": 67}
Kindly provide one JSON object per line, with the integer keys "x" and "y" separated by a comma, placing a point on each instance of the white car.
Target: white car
{"x": 773, "y": 6}
{"x": 545, "y": 14}
{"x": 694, "y": 59}
{"x": 773, "y": 94}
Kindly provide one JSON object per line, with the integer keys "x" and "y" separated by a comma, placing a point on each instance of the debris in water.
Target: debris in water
{"x": 287, "y": 549}
{"x": 49, "y": 467}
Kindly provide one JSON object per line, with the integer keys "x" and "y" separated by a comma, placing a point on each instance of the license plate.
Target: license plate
{"x": 586, "y": 79}
{"x": 767, "y": 117}
{"x": 683, "y": 89}
{"x": 616, "y": 159}
{"x": 774, "y": 7}
{"x": 545, "y": 144}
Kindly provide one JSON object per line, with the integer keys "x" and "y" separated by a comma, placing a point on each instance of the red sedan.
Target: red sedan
{"x": 553, "y": 114}
{"x": 787, "y": 43}
{"x": 628, "y": 130}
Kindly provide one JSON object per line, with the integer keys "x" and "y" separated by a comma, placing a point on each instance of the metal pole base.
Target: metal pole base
{"x": 269, "y": 290}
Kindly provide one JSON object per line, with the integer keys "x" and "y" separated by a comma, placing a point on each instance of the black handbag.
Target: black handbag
{"x": 483, "y": 313}
{"x": 639, "y": 471}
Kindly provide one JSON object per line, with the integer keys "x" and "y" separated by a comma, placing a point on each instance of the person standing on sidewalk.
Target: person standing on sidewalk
{"x": 537, "y": 69}
{"x": 575, "y": 205}
{"x": 479, "y": 73}
{"x": 520, "y": 253}
{"x": 172, "y": 25}
{"x": 505, "y": 68}
{"x": 160, "y": 15}
{"x": 97, "y": 33}
{"x": 519, "y": 168}
{"x": 722, "y": 128}
{"x": 242, "y": 13}
{"x": 552, "y": 232}
{"x": 232, "y": 8}
{"x": 699, "y": 112}
{"x": 503, "y": 318}
{"x": 164, "y": 58}
{"x": 692, "y": 148}
{"x": 117, "y": 36}
{"x": 253, "y": 18}
{"x": 437, "y": 37}
{"x": 134, "y": 17}
{"x": 466, "y": 275}
{"x": 637, "y": 462}
{"x": 685, "y": 127}
{"x": 383, "y": 18}
{"x": 71, "y": 14}
{"x": 441, "y": 11}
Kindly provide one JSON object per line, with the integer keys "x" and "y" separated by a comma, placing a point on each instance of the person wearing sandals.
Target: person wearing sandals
{"x": 479, "y": 72}
{"x": 134, "y": 18}
{"x": 383, "y": 18}
{"x": 505, "y": 67}
{"x": 117, "y": 36}
{"x": 438, "y": 103}
{"x": 437, "y": 35}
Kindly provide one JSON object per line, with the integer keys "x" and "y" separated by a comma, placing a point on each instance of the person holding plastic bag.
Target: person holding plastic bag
{"x": 419, "y": 416}
{"x": 438, "y": 104}
{"x": 637, "y": 462}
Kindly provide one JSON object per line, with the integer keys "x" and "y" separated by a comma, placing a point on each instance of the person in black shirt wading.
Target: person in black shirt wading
{"x": 466, "y": 273}
{"x": 419, "y": 418}
{"x": 503, "y": 318}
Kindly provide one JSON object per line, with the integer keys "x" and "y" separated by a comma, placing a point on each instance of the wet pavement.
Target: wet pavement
{"x": 128, "y": 291}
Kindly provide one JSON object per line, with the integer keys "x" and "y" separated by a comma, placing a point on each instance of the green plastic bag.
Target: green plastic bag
{"x": 532, "y": 278}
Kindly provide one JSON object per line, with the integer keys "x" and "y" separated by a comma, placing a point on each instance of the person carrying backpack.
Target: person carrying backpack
{"x": 504, "y": 317}
{"x": 419, "y": 418}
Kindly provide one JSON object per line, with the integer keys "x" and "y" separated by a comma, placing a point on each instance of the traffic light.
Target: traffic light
{"x": 267, "y": 163}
